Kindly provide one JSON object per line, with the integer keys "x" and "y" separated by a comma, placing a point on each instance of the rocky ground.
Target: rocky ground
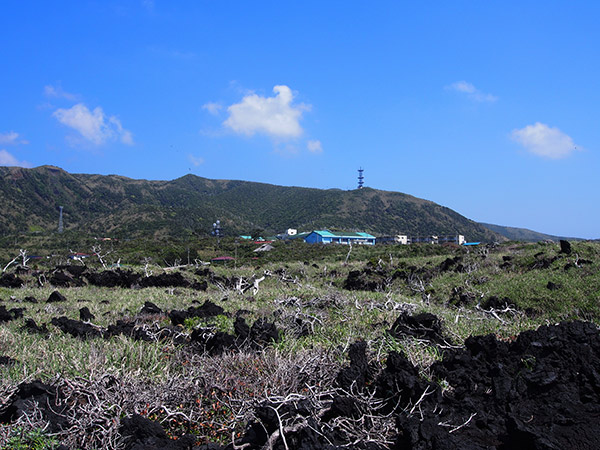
{"x": 539, "y": 389}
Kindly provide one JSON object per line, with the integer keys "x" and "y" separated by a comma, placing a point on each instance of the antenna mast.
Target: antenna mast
{"x": 60, "y": 220}
{"x": 360, "y": 178}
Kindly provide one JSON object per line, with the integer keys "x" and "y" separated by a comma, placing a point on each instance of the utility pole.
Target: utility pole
{"x": 60, "y": 220}
{"x": 237, "y": 242}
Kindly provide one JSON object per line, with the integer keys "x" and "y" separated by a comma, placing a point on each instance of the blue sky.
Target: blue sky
{"x": 489, "y": 108}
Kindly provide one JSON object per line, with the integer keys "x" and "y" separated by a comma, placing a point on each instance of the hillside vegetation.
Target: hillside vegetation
{"x": 523, "y": 234}
{"x": 121, "y": 207}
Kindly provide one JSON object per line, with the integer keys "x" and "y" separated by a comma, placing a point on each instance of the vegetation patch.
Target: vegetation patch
{"x": 390, "y": 347}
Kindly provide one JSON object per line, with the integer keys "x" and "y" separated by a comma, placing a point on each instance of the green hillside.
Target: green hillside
{"x": 523, "y": 234}
{"x": 122, "y": 207}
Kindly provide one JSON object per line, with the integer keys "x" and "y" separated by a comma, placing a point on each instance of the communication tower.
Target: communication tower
{"x": 60, "y": 220}
{"x": 361, "y": 179}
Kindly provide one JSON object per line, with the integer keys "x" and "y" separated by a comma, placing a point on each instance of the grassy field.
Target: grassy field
{"x": 306, "y": 293}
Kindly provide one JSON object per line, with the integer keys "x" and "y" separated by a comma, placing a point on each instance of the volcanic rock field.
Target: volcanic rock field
{"x": 240, "y": 364}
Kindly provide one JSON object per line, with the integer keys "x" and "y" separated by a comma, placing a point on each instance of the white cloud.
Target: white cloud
{"x": 273, "y": 116}
{"x": 93, "y": 126}
{"x": 58, "y": 92}
{"x": 314, "y": 146}
{"x": 542, "y": 140}
{"x": 471, "y": 91}
{"x": 11, "y": 138}
{"x": 213, "y": 108}
{"x": 6, "y": 159}
{"x": 196, "y": 160}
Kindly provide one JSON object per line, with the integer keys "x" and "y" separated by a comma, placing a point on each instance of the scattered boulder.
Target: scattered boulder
{"x": 543, "y": 262}
{"x": 10, "y": 280}
{"x": 113, "y": 278}
{"x": 263, "y": 333}
{"x": 565, "y": 247}
{"x": 269, "y": 415}
{"x": 241, "y": 328}
{"x": 36, "y": 396}
{"x": 85, "y": 314}
{"x": 208, "y": 309}
{"x": 150, "y": 309}
{"x": 400, "y": 384}
{"x": 355, "y": 374}
{"x": 200, "y": 285}
{"x": 213, "y": 342}
{"x": 422, "y": 326}
{"x": 343, "y": 406}
{"x": 76, "y": 328}
{"x": 56, "y": 297}
{"x": 7, "y": 361}
{"x": 33, "y": 328}
{"x": 259, "y": 335}
{"x": 175, "y": 279}
{"x": 452, "y": 264}
{"x": 11, "y": 314}
{"x": 75, "y": 271}
{"x": 140, "y": 433}
{"x": 494, "y": 302}
{"x": 368, "y": 279}
{"x": 461, "y": 297}
{"x": 61, "y": 279}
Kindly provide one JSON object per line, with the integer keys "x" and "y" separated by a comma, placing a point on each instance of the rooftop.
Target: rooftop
{"x": 344, "y": 234}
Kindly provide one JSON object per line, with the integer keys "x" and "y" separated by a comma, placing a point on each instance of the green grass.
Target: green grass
{"x": 35, "y": 439}
{"x": 306, "y": 290}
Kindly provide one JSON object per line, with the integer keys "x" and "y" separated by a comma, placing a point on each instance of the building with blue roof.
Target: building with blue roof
{"x": 339, "y": 237}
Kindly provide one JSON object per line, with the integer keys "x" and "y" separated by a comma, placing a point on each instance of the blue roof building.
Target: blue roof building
{"x": 339, "y": 237}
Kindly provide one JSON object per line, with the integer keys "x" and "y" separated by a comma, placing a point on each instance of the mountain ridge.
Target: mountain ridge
{"x": 125, "y": 207}
{"x": 525, "y": 234}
